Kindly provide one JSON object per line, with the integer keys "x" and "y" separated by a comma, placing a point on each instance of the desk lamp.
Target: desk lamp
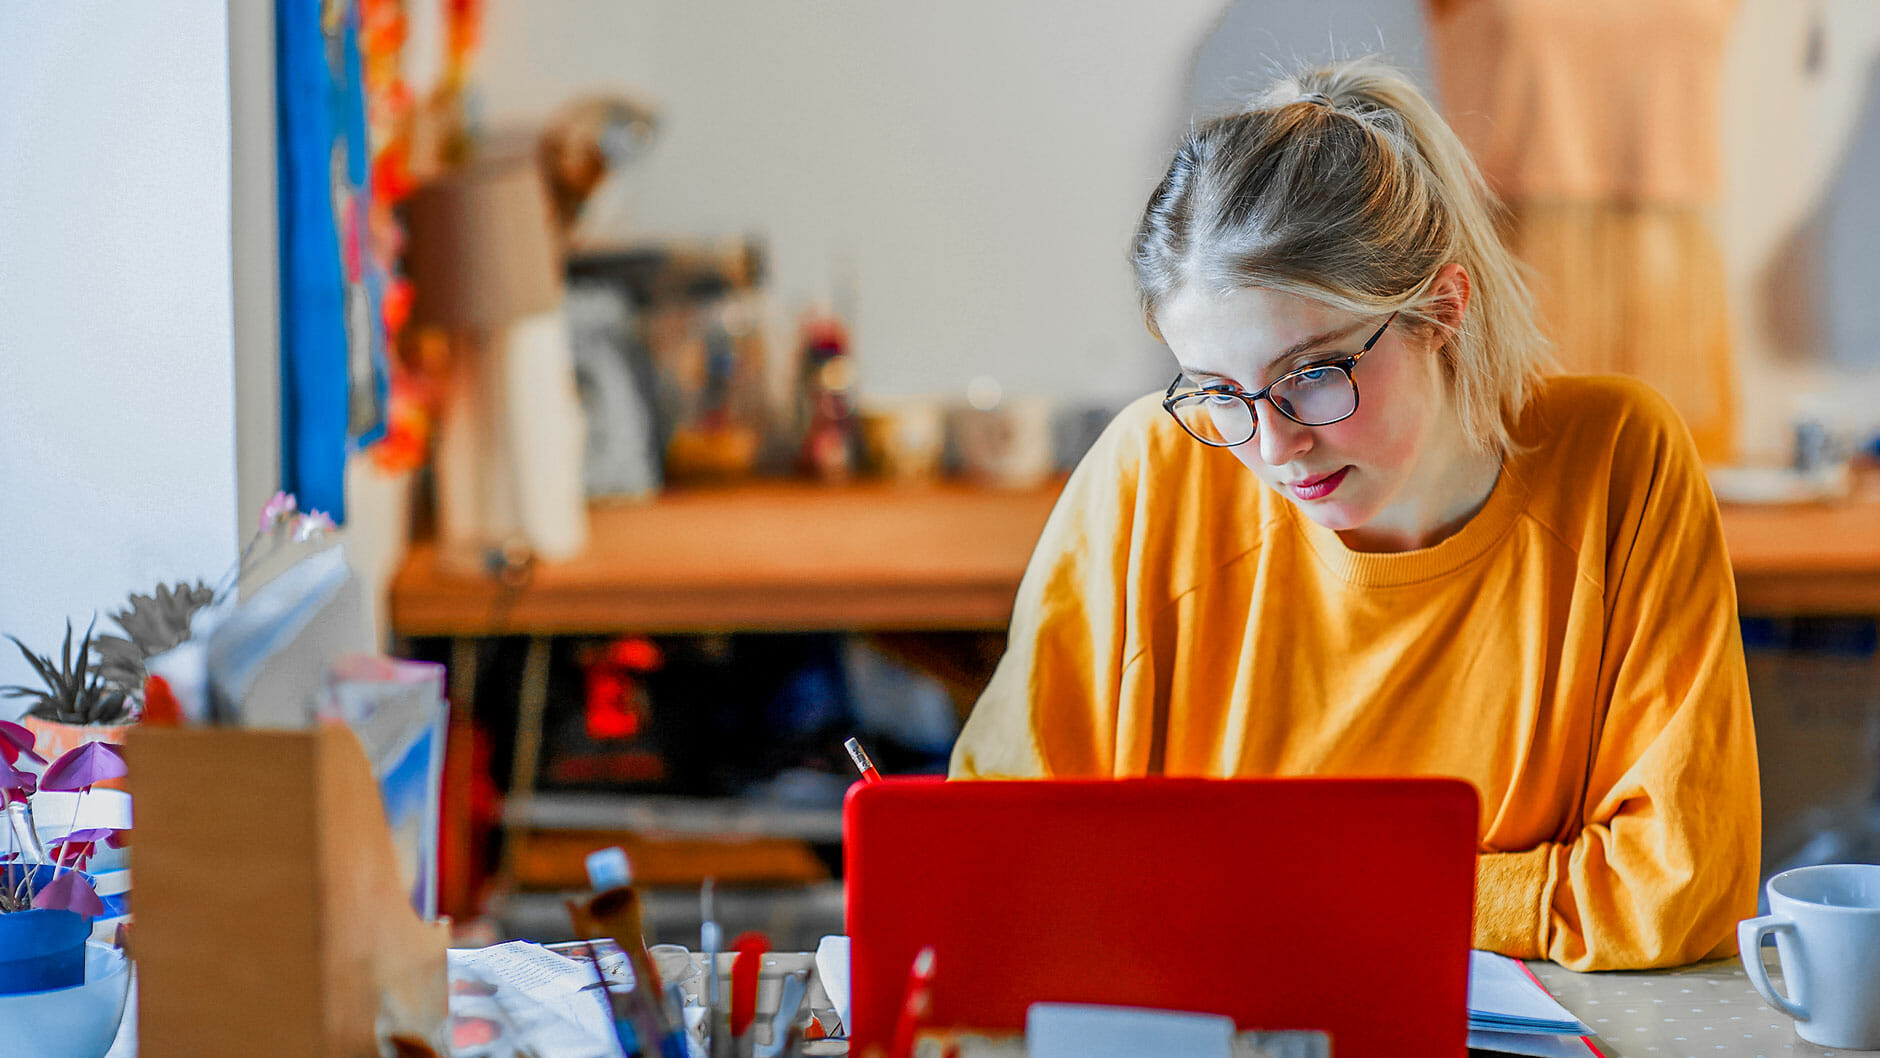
{"x": 486, "y": 271}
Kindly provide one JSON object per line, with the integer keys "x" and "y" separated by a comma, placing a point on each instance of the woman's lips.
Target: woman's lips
{"x": 1320, "y": 487}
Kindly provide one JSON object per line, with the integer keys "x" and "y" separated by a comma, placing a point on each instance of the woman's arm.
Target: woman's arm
{"x": 1666, "y": 859}
{"x": 1052, "y": 706}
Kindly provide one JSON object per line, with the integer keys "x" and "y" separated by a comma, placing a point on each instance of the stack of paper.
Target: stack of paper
{"x": 540, "y": 999}
{"x": 1510, "y": 1012}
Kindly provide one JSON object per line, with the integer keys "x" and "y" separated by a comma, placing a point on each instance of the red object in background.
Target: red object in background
{"x": 467, "y": 832}
{"x": 617, "y": 706}
{"x": 161, "y": 709}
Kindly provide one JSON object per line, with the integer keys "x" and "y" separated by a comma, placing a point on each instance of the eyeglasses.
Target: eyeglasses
{"x": 1315, "y": 395}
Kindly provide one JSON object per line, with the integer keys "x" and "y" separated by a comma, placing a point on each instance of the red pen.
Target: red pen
{"x": 916, "y": 1006}
{"x": 745, "y": 970}
{"x": 862, "y": 763}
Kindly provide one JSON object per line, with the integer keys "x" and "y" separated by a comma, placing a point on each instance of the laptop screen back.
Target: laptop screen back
{"x": 1342, "y": 905}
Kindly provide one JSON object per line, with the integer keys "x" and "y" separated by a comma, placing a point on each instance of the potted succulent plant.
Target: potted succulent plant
{"x": 72, "y": 704}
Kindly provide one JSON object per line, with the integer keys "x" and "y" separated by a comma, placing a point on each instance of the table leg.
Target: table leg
{"x": 457, "y": 896}
{"x": 531, "y": 705}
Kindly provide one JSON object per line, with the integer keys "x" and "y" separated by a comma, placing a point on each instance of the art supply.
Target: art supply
{"x": 744, "y": 973}
{"x": 916, "y": 1005}
{"x": 617, "y": 913}
{"x": 862, "y": 763}
{"x": 710, "y": 940}
{"x": 783, "y": 1022}
{"x": 616, "y": 1016}
{"x": 608, "y": 868}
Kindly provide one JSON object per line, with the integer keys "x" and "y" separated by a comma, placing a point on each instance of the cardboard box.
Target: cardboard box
{"x": 270, "y": 917}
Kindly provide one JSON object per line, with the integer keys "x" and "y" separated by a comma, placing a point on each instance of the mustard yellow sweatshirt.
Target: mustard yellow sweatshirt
{"x": 1573, "y": 651}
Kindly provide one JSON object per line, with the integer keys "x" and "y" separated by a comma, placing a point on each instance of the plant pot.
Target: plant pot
{"x": 116, "y": 904}
{"x": 76, "y": 1022}
{"x": 54, "y": 738}
{"x": 41, "y": 950}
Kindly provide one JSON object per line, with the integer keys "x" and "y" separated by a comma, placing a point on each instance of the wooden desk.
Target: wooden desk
{"x": 791, "y": 556}
{"x": 1807, "y": 558}
{"x": 1691, "y": 1012}
{"x": 773, "y": 556}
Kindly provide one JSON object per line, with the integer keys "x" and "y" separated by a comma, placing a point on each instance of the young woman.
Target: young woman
{"x": 1362, "y": 534}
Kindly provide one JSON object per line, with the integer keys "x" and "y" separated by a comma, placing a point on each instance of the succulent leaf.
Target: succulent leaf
{"x": 71, "y": 694}
{"x": 154, "y": 623}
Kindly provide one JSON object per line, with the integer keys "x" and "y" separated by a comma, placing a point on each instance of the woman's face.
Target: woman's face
{"x": 1398, "y": 474}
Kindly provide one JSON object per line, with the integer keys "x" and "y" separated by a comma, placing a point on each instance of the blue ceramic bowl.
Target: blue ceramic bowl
{"x": 77, "y": 1022}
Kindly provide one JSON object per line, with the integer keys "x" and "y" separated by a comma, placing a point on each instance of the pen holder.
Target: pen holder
{"x": 270, "y": 914}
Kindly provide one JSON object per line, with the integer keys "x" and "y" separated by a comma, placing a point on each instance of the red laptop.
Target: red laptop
{"x": 1341, "y": 905}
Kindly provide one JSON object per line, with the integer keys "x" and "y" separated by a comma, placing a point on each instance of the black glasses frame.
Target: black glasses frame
{"x": 1344, "y": 364}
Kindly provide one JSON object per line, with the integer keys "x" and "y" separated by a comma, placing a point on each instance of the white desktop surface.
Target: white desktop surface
{"x": 1704, "y": 1011}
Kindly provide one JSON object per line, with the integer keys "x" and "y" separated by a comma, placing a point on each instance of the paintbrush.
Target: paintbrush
{"x": 620, "y": 1018}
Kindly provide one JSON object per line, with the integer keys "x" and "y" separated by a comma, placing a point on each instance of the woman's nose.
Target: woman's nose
{"x": 1281, "y": 440}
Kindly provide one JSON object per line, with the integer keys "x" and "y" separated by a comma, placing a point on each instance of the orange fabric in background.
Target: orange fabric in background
{"x": 1602, "y": 100}
{"x": 1573, "y": 652}
{"x": 1598, "y": 123}
{"x": 1640, "y": 291}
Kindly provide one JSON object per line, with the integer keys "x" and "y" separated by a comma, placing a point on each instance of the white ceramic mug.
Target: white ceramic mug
{"x": 1827, "y": 925}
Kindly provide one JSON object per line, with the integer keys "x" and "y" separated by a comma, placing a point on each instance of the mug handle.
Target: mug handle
{"x": 1749, "y": 935}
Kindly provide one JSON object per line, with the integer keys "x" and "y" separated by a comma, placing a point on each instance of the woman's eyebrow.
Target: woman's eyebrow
{"x": 1315, "y": 341}
{"x": 1293, "y": 351}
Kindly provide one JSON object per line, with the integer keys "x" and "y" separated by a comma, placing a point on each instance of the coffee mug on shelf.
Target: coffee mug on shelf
{"x": 1826, "y": 920}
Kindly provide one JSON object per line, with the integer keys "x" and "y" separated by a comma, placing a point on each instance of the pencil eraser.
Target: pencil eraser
{"x": 608, "y": 869}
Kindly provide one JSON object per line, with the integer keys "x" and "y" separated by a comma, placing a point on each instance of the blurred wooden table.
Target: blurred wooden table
{"x": 791, "y": 556}
{"x": 772, "y": 556}
{"x": 1806, "y": 558}
{"x": 784, "y": 556}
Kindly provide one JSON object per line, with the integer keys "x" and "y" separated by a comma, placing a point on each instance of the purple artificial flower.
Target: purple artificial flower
{"x": 70, "y": 891}
{"x": 16, "y": 740}
{"x": 76, "y": 848}
{"x": 15, "y": 784}
{"x": 78, "y": 770}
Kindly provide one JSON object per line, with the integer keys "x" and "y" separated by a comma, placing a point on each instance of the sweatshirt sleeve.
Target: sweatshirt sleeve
{"x": 1051, "y": 708}
{"x": 1666, "y": 860}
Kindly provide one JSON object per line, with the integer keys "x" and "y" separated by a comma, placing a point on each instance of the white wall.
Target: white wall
{"x": 117, "y": 417}
{"x": 963, "y": 177}
{"x": 967, "y": 174}
{"x": 1790, "y": 124}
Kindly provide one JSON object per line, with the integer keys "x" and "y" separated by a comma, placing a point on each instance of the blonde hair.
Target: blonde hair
{"x": 1342, "y": 184}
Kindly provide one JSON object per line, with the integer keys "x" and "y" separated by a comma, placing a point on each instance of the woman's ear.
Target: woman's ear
{"x": 1449, "y": 293}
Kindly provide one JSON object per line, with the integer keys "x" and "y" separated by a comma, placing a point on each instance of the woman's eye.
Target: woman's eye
{"x": 1217, "y": 399}
{"x": 1315, "y": 374}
